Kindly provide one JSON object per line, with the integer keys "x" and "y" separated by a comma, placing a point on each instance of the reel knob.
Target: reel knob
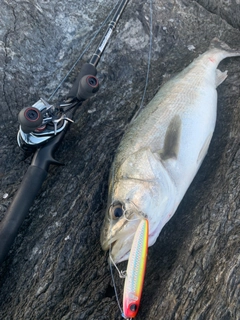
{"x": 88, "y": 86}
{"x": 30, "y": 119}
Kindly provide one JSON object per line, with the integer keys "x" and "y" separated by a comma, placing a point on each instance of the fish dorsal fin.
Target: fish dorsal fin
{"x": 172, "y": 139}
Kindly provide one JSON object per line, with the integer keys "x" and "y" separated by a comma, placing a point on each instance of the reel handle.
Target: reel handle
{"x": 30, "y": 118}
{"x": 86, "y": 84}
{"x": 87, "y": 87}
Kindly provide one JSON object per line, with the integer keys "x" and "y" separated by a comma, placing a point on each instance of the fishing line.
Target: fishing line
{"x": 139, "y": 213}
{"x": 149, "y": 58}
{"x": 122, "y": 274}
{"x": 149, "y": 53}
{"x": 81, "y": 55}
{"x": 114, "y": 283}
{"x": 130, "y": 220}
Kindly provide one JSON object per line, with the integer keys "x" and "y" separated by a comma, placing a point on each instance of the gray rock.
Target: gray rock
{"x": 56, "y": 268}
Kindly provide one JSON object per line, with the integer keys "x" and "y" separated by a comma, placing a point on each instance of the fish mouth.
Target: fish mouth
{"x": 105, "y": 244}
{"x": 118, "y": 257}
{"x": 117, "y": 237}
{"x": 119, "y": 248}
{"x": 109, "y": 240}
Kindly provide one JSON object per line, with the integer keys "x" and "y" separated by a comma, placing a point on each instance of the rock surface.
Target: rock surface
{"x": 56, "y": 268}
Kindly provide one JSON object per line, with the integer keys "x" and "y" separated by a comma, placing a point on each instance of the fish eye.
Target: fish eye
{"x": 116, "y": 211}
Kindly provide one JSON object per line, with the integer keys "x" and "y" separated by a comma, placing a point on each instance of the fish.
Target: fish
{"x": 136, "y": 269}
{"x": 161, "y": 152}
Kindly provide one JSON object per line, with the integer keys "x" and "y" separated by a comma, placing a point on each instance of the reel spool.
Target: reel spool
{"x": 39, "y": 123}
{"x": 42, "y": 121}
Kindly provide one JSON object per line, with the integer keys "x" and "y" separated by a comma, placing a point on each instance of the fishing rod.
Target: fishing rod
{"x": 42, "y": 129}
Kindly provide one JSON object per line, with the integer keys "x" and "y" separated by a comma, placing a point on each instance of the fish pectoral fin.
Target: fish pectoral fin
{"x": 172, "y": 139}
{"x": 220, "y": 77}
{"x": 204, "y": 149}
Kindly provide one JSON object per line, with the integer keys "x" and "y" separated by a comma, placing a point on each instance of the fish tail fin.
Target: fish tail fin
{"x": 220, "y": 45}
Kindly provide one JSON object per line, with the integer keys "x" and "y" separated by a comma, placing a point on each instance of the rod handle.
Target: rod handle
{"x": 19, "y": 207}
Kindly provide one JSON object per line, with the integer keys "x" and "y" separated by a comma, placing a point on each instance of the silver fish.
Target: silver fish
{"x": 161, "y": 152}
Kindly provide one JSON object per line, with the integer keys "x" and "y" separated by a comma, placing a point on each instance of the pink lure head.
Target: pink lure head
{"x": 131, "y": 307}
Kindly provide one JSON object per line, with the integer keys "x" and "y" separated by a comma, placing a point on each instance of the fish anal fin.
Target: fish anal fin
{"x": 172, "y": 139}
{"x": 220, "y": 76}
{"x": 204, "y": 149}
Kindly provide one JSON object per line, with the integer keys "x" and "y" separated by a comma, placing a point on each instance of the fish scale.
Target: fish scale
{"x": 162, "y": 150}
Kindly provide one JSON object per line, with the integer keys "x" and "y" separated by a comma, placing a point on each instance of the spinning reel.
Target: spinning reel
{"x": 42, "y": 121}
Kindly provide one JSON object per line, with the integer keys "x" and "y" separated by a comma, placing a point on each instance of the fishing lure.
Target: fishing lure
{"x": 136, "y": 268}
